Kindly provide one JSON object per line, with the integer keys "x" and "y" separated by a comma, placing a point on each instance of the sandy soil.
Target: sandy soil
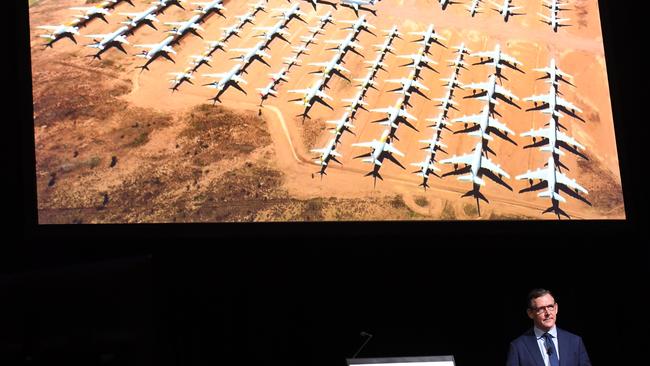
{"x": 85, "y": 113}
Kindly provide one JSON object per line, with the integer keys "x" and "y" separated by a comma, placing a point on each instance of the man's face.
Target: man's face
{"x": 543, "y": 312}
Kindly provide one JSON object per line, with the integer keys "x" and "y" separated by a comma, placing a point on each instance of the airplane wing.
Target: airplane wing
{"x": 382, "y": 110}
{"x": 571, "y": 183}
{"x": 239, "y": 79}
{"x": 484, "y": 54}
{"x": 569, "y": 140}
{"x": 419, "y": 85}
{"x": 150, "y": 46}
{"x": 370, "y": 144}
{"x": 537, "y": 174}
{"x": 463, "y": 159}
{"x": 323, "y": 95}
{"x": 388, "y": 147}
{"x": 511, "y": 59}
{"x": 404, "y": 113}
{"x": 493, "y": 122}
{"x": 476, "y": 118}
{"x": 566, "y": 104}
{"x": 542, "y": 132}
{"x": 539, "y": 98}
{"x": 481, "y": 86}
{"x": 299, "y": 91}
{"x": 501, "y": 90}
{"x": 489, "y": 165}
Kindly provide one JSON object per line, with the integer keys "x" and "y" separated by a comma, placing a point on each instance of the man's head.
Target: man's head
{"x": 542, "y": 308}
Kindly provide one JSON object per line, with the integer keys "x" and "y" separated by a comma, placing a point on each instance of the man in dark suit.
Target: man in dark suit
{"x": 545, "y": 344}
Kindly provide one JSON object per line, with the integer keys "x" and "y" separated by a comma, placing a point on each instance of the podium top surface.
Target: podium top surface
{"x": 404, "y": 361}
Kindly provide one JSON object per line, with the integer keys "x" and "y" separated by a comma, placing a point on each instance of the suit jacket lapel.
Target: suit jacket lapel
{"x": 563, "y": 344}
{"x": 533, "y": 348}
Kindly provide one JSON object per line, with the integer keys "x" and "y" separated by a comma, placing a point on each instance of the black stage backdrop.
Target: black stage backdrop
{"x": 309, "y": 306}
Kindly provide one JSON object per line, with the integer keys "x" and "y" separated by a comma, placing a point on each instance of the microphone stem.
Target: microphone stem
{"x": 360, "y": 348}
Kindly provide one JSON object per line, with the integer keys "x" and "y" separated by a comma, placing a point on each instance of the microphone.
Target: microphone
{"x": 363, "y": 334}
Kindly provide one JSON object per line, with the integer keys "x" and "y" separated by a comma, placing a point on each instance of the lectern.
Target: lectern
{"x": 403, "y": 361}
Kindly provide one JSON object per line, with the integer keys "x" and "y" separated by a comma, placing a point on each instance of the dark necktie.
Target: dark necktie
{"x": 550, "y": 349}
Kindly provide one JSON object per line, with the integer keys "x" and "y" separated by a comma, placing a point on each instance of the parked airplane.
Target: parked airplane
{"x": 506, "y": 9}
{"x": 266, "y": 92}
{"x": 427, "y": 167}
{"x": 90, "y": 12}
{"x": 180, "y": 28}
{"x": 409, "y": 85}
{"x": 474, "y": 8}
{"x": 233, "y": 30}
{"x": 215, "y": 45}
{"x": 326, "y": 154}
{"x": 395, "y": 114}
{"x": 418, "y": 60}
{"x": 445, "y": 3}
{"x": 441, "y": 121}
{"x": 356, "y": 103}
{"x": 278, "y": 30}
{"x": 325, "y": 18}
{"x": 476, "y": 165}
{"x": 210, "y": 6}
{"x": 452, "y": 81}
{"x": 491, "y": 91}
{"x": 315, "y": 2}
{"x": 291, "y": 61}
{"x": 551, "y": 103}
{"x": 198, "y": 60}
{"x": 553, "y": 139}
{"x": 156, "y": 50}
{"x": 181, "y": 77}
{"x": 229, "y": 78}
{"x": 459, "y": 62}
{"x": 497, "y": 59}
{"x": 291, "y": 12}
{"x": 375, "y": 65}
{"x": 554, "y": 21}
{"x": 340, "y": 126}
{"x": 330, "y": 67}
{"x": 58, "y": 32}
{"x": 447, "y": 101}
{"x": 251, "y": 54}
{"x": 167, "y": 3}
{"x": 115, "y": 39}
{"x": 357, "y": 5}
{"x": 344, "y": 45}
{"x": 310, "y": 94}
{"x": 555, "y": 182}
{"x": 429, "y": 36}
{"x": 280, "y": 76}
{"x": 484, "y": 125}
{"x": 144, "y": 17}
{"x": 380, "y": 148}
{"x": 360, "y": 24}
{"x": 554, "y": 74}
{"x": 366, "y": 82}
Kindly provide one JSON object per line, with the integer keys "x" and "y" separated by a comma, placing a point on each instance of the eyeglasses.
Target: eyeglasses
{"x": 541, "y": 309}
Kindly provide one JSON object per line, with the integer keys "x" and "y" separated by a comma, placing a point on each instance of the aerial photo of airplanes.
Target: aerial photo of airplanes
{"x": 321, "y": 110}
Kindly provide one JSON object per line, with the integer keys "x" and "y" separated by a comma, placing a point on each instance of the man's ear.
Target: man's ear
{"x": 530, "y": 313}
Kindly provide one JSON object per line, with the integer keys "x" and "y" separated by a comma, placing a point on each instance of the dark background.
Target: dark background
{"x": 290, "y": 294}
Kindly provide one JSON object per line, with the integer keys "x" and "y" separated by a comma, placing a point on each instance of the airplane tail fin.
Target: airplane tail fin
{"x": 557, "y": 210}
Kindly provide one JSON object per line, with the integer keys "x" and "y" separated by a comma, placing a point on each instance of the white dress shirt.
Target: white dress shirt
{"x": 540, "y": 342}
